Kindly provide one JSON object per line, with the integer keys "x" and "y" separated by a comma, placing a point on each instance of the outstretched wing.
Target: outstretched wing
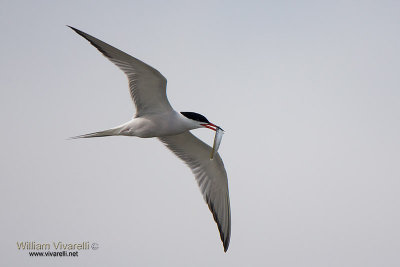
{"x": 147, "y": 85}
{"x": 210, "y": 175}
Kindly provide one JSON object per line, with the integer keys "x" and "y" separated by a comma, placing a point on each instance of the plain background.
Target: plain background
{"x": 307, "y": 91}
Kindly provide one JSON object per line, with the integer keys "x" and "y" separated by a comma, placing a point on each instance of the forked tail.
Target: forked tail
{"x": 109, "y": 132}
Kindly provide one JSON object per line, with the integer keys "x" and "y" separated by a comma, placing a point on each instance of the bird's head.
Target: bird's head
{"x": 199, "y": 120}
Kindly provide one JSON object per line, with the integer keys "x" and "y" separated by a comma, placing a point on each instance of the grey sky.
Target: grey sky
{"x": 308, "y": 94}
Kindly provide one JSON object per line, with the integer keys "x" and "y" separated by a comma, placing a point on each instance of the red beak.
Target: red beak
{"x": 210, "y": 125}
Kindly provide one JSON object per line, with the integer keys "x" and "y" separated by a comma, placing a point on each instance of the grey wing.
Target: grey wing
{"x": 147, "y": 85}
{"x": 210, "y": 175}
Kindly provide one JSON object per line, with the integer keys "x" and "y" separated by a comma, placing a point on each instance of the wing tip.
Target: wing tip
{"x": 92, "y": 40}
{"x": 74, "y": 29}
{"x": 226, "y": 245}
{"x": 225, "y": 236}
{"x": 225, "y": 242}
{"x": 226, "y": 248}
{"x": 81, "y": 33}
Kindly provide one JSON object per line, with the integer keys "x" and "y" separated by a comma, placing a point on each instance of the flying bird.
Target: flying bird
{"x": 156, "y": 118}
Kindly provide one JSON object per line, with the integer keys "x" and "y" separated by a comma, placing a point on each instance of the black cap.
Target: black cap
{"x": 195, "y": 116}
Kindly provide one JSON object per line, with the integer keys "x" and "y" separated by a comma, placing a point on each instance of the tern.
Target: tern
{"x": 156, "y": 118}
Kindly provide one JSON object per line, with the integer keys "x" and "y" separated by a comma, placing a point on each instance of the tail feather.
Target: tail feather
{"x": 109, "y": 132}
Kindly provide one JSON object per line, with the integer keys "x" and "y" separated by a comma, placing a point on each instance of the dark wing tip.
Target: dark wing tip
{"x": 75, "y": 29}
{"x": 92, "y": 40}
{"x": 225, "y": 237}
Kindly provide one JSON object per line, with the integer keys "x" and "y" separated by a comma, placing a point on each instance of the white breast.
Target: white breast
{"x": 158, "y": 125}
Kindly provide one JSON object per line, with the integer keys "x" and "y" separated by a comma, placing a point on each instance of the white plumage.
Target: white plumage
{"x": 156, "y": 118}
